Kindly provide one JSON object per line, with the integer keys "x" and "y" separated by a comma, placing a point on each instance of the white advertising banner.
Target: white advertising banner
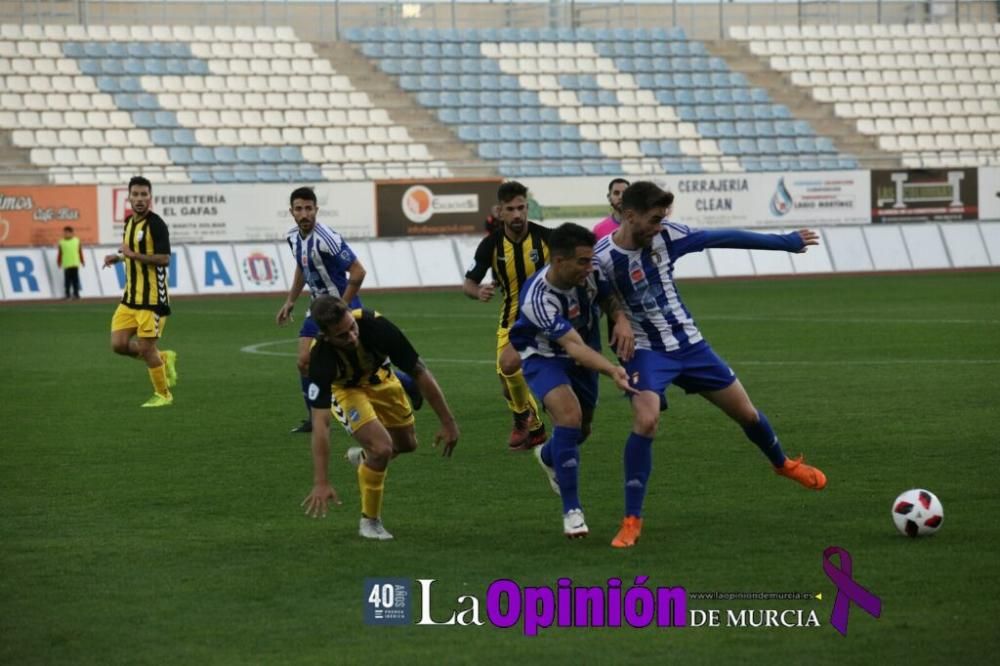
{"x": 214, "y": 269}
{"x": 112, "y": 278}
{"x": 23, "y": 275}
{"x": 225, "y": 213}
{"x": 811, "y": 198}
{"x": 989, "y": 193}
{"x": 261, "y": 268}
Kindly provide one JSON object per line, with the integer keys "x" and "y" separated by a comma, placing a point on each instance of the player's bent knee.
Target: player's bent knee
{"x": 645, "y": 424}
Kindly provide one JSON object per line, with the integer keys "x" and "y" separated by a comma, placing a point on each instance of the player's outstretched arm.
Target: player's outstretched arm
{"x": 322, "y": 492}
{"x": 622, "y": 338}
{"x": 285, "y": 312}
{"x": 429, "y": 388}
{"x": 580, "y": 352}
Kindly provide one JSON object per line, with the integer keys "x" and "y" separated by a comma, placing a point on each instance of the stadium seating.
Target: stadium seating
{"x": 201, "y": 104}
{"x": 929, "y": 92}
{"x": 595, "y": 101}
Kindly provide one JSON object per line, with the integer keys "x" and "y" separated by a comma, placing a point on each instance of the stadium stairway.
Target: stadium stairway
{"x": 16, "y": 163}
{"x": 803, "y": 106}
{"x": 403, "y": 109}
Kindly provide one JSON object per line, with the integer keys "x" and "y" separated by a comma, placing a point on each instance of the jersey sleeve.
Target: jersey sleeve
{"x": 387, "y": 337}
{"x": 545, "y": 312}
{"x": 483, "y": 260}
{"x": 161, "y": 235}
{"x": 320, "y": 379}
{"x": 343, "y": 255}
{"x": 682, "y": 239}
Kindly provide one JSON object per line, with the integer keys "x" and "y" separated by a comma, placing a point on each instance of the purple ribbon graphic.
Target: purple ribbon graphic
{"x": 847, "y": 590}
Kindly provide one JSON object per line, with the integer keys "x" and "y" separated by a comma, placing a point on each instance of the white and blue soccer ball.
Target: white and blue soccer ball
{"x": 917, "y": 512}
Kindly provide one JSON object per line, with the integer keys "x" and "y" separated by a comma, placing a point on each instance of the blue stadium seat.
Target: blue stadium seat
{"x": 451, "y": 50}
{"x": 767, "y": 146}
{"x": 548, "y": 114}
{"x": 551, "y": 170}
{"x": 289, "y": 173}
{"x": 90, "y": 67}
{"x": 353, "y": 34}
{"x": 570, "y": 149}
{"x": 803, "y": 128}
{"x": 780, "y": 111}
{"x": 726, "y": 128}
{"x": 784, "y": 128}
{"x": 112, "y": 66}
{"x": 569, "y": 132}
{"x": 109, "y": 84}
{"x": 468, "y": 116}
{"x": 470, "y": 50}
{"x": 160, "y": 50}
{"x": 162, "y": 137}
{"x": 449, "y": 82}
{"x": 709, "y": 130}
{"x": 269, "y": 154}
{"x": 509, "y": 82}
{"x": 509, "y": 132}
{"x": 371, "y": 49}
{"x": 428, "y": 66}
{"x": 825, "y": 145}
{"x": 743, "y": 111}
{"x": 684, "y": 97}
{"x": 184, "y": 136}
{"x": 391, "y": 66}
{"x": 605, "y": 50}
{"x": 682, "y": 80}
{"x": 115, "y": 50}
{"x": 550, "y": 150}
{"x": 725, "y": 112}
{"x": 687, "y": 113}
{"x": 94, "y": 49}
{"x": 670, "y": 147}
{"x": 147, "y": 120}
{"x": 765, "y": 128}
{"x": 643, "y": 64}
{"x": 786, "y": 145}
{"x": 745, "y": 129}
{"x": 126, "y": 101}
{"x": 73, "y": 49}
{"x": 180, "y": 155}
{"x": 291, "y": 154}
{"x": 202, "y": 155}
{"x": 248, "y": 154}
{"x": 508, "y": 115}
{"x": 134, "y": 50}
{"x": 650, "y": 148}
{"x": 411, "y": 83}
{"x": 511, "y": 150}
{"x": 751, "y": 164}
{"x": 448, "y": 115}
{"x": 741, "y": 96}
{"x": 468, "y": 133}
{"x": 160, "y": 118}
{"x": 490, "y": 82}
{"x": 681, "y": 66}
{"x": 222, "y": 174}
{"x": 132, "y": 84}
{"x": 697, "y": 48}
{"x": 659, "y": 49}
{"x": 704, "y": 96}
{"x": 706, "y": 112}
{"x": 748, "y": 147}
{"x": 760, "y": 96}
{"x": 489, "y": 132}
{"x": 763, "y": 111}
{"x": 679, "y": 49}
{"x": 147, "y": 102}
{"x": 592, "y": 169}
{"x": 267, "y": 174}
{"x": 607, "y": 98}
{"x": 590, "y": 149}
{"x": 489, "y": 151}
{"x": 550, "y": 132}
{"x": 225, "y": 155}
{"x": 528, "y": 132}
{"x": 429, "y": 49}
{"x": 729, "y": 147}
{"x": 847, "y": 162}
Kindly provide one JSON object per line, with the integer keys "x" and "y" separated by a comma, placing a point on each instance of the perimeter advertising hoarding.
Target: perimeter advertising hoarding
{"x": 433, "y": 207}
{"x": 225, "y": 213}
{"x": 36, "y": 215}
{"x": 924, "y": 195}
{"x": 811, "y": 198}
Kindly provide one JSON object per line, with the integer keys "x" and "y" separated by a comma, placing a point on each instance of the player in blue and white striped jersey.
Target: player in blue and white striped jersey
{"x": 558, "y": 338}
{"x": 638, "y": 260}
{"x": 325, "y": 262}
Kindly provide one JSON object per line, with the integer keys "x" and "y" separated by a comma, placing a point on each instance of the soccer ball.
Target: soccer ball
{"x": 917, "y": 512}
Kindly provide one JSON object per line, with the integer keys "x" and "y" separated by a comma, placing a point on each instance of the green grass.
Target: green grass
{"x": 175, "y": 535}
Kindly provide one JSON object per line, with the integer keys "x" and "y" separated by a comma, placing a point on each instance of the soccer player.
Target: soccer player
{"x": 325, "y": 262}
{"x": 558, "y": 338}
{"x": 514, "y": 252}
{"x": 611, "y": 223}
{"x": 141, "y": 316}
{"x": 349, "y": 376}
{"x": 638, "y": 259}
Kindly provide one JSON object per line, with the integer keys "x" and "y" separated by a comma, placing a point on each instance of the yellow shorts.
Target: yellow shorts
{"x": 503, "y": 339}
{"x": 147, "y": 324}
{"x": 355, "y": 406}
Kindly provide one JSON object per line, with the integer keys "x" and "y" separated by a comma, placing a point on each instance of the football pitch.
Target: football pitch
{"x": 175, "y": 536}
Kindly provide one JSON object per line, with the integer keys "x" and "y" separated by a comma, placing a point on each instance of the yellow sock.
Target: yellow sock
{"x": 158, "y": 376}
{"x": 521, "y": 399}
{"x": 371, "y": 484}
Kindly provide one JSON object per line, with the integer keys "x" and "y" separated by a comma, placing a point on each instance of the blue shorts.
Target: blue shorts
{"x": 544, "y": 374}
{"x": 696, "y": 370}
{"x": 310, "y": 329}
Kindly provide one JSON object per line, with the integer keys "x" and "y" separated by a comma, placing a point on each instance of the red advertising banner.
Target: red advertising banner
{"x": 36, "y": 214}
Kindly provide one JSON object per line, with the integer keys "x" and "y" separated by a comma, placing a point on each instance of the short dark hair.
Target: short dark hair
{"x": 141, "y": 182}
{"x": 328, "y": 310}
{"x": 67, "y": 228}
{"x": 615, "y": 181}
{"x": 304, "y": 193}
{"x": 567, "y": 237}
{"x": 510, "y": 190}
{"x": 642, "y": 196}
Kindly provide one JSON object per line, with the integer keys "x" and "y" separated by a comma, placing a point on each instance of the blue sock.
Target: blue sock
{"x": 304, "y": 381}
{"x": 547, "y": 452}
{"x": 638, "y": 465}
{"x": 763, "y": 436}
{"x": 564, "y": 453}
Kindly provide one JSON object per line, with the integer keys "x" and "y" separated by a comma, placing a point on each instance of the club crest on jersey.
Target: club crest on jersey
{"x": 655, "y": 257}
{"x": 637, "y": 274}
{"x": 533, "y": 255}
{"x": 574, "y": 310}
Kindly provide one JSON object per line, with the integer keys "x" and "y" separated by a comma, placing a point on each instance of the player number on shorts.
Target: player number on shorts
{"x": 382, "y": 596}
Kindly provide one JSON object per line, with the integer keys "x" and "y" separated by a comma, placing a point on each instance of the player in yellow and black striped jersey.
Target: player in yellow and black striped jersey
{"x": 139, "y": 320}
{"x": 350, "y": 376}
{"x": 514, "y": 252}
